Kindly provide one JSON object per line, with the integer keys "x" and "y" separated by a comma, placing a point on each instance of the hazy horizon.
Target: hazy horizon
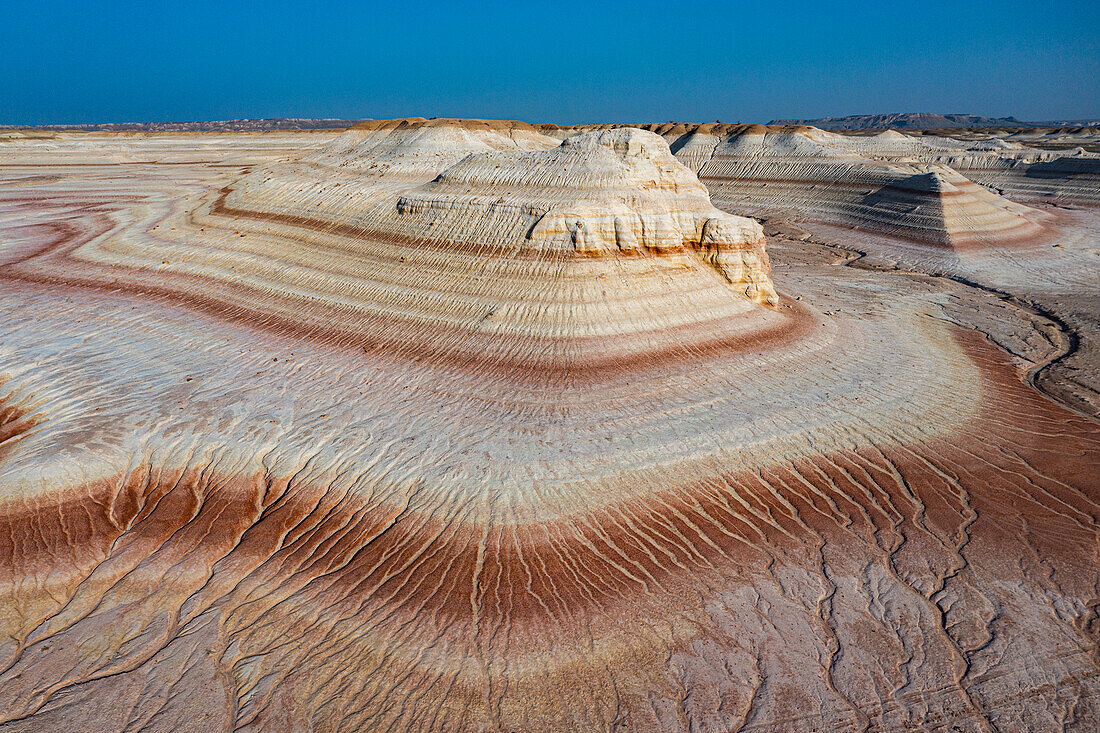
{"x": 98, "y": 63}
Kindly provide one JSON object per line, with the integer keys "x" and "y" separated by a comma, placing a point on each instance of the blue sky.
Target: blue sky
{"x": 68, "y": 61}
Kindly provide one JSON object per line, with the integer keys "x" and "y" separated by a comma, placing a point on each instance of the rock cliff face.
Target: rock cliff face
{"x": 455, "y": 425}
{"x": 610, "y": 193}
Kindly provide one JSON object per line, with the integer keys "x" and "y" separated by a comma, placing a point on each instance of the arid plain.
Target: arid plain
{"x": 465, "y": 425}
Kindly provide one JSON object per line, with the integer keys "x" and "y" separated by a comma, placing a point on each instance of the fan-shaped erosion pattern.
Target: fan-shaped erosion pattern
{"x": 455, "y": 425}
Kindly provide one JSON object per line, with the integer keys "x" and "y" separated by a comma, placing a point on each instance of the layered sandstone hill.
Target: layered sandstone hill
{"x": 943, "y": 208}
{"x": 449, "y": 240}
{"x": 448, "y": 427}
{"x": 855, "y": 182}
{"x": 419, "y": 149}
{"x": 862, "y": 180}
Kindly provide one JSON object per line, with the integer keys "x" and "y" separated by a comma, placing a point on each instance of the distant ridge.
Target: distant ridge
{"x": 922, "y": 121}
{"x": 241, "y": 125}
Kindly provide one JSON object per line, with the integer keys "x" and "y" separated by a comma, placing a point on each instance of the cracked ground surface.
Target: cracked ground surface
{"x": 873, "y": 508}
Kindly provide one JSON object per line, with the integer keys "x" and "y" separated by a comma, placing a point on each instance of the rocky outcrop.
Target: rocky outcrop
{"x": 825, "y": 176}
{"x": 889, "y": 183}
{"x": 608, "y": 193}
{"x": 451, "y": 238}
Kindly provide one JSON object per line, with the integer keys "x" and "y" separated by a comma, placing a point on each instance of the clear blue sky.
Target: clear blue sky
{"x": 71, "y": 61}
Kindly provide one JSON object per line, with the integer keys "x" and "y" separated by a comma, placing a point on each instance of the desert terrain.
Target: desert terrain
{"x": 470, "y": 425}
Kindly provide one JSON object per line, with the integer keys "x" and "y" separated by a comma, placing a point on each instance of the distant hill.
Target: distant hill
{"x": 244, "y": 125}
{"x": 897, "y": 121}
{"x": 922, "y": 121}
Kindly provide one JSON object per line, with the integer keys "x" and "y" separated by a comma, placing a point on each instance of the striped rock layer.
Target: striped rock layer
{"x": 929, "y": 190}
{"x": 828, "y": 177}
{"x": 519, "y": 439}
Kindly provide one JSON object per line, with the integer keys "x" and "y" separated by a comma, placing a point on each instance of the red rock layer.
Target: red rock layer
{"x": 324, "y": 606}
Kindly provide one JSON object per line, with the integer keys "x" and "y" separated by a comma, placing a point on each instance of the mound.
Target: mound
{"x": 418, "y": 149}
{"x": 575, "y": 251}
{"x": 890, "y": 183}
{"x": 787, "y": 167}
{"x": 943, "y": 207}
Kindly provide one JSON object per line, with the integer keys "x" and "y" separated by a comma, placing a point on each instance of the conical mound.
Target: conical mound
{"x": 944, "y": 208}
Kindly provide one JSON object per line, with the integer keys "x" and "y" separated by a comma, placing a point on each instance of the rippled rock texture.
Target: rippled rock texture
{"x": 453, "y": 425}
{"x": 1015, "y": 213}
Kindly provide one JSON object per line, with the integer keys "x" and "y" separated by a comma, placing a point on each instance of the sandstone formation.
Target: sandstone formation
{"x": 867, "y": 181}
{"x": 419, "y": 240}
{"x": 468, "y": 425}
{"x": 998, "y": 212}
{"x": 827, "y": 176}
